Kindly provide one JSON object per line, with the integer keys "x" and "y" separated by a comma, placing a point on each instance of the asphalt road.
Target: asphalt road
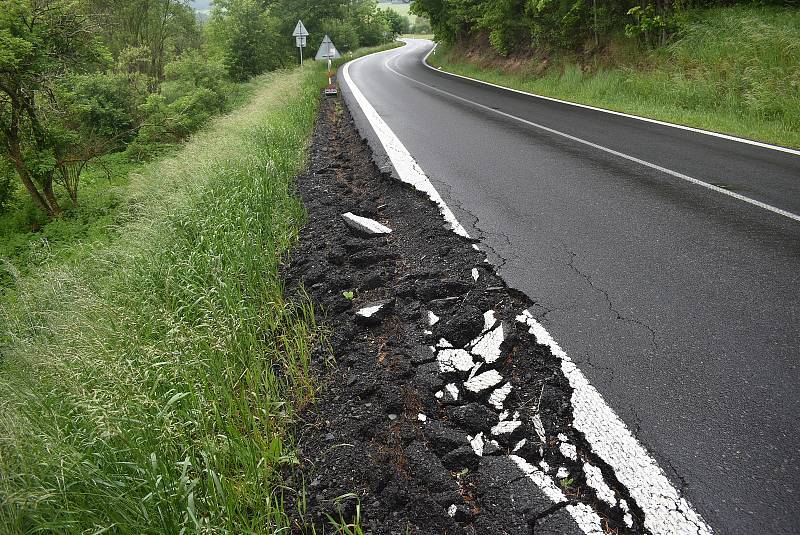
{"x": 679, "y": 303}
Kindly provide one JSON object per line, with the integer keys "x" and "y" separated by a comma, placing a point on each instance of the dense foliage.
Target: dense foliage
{"x": 519, "y": 25}
{"x": 81, "y": 79}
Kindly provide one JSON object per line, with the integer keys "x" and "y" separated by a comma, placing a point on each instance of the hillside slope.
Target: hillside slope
{"x": 734, "y": 70}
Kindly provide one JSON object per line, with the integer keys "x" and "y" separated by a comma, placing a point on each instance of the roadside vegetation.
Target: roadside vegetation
{"x": 149, "y": 379}
{"x": 146, "y": 383}
{"x": 733, "y": 69}
{"x": 150, "y": 366}
{"x": 138, "y": 80}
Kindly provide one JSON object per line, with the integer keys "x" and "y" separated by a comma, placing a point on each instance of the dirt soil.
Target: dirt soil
{"x": 410, "y": 433}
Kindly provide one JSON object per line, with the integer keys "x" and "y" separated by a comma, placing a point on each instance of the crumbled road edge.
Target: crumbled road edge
{"x": 441, "y": 413}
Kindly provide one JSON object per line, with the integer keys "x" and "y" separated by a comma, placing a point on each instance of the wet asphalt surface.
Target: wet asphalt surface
{"x": 679, "y": 304}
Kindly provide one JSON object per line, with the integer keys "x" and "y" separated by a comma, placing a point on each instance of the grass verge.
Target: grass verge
{"x": 734, "y": 70}
{"x": 148, "y": 380}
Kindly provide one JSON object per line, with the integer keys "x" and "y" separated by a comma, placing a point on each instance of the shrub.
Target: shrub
{"x": 195, "y": 89}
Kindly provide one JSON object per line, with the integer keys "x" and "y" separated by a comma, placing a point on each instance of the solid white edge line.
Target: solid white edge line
{"x": 639, "y": 161}
{"x": 666, "y": 512}
{"x": 613, "y": 112}
{"x": 407, "y": 168}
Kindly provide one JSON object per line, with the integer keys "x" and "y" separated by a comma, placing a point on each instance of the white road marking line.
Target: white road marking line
{"x": 645, "y": 163}
{"x": 666, "y": 512}
{"x": 612, "y": 112}
{"x": 407, "y": 168}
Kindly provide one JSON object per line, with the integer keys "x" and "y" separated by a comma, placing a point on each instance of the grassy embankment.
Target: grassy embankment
{"x": 734, "y": 70}
{"x": 148, "y": 377}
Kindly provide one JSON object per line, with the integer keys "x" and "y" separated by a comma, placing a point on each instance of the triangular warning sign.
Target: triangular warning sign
{"x": 300, "y": 30}
{"x": 327, "y": 50}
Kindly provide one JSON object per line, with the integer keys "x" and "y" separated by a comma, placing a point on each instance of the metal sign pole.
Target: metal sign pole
{"x": 300, "y": 33}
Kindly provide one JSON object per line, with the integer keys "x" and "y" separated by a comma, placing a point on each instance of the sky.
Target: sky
{"x": 201, "y": 4}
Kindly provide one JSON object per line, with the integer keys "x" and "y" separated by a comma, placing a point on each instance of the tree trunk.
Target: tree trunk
{"x": 25, "y": 177}
{"x": 55, "y": 209}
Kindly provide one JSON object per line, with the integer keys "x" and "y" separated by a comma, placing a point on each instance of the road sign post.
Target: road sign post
{"x": 327, "y": 50}
{"x": 300, "y": 33}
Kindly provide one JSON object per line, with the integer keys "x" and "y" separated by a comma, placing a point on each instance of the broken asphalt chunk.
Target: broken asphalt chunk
{"x": 365, "y": 225}
{"x": 374, "y": 313}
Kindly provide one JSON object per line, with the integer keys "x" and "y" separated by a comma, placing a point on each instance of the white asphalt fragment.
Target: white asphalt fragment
{"x": 452, "y": 389}
{"x": 498, "y": 397}
{"x": 451, "y": 360}
{"x": 475, "y": 274}
{"x": 544, "y": 466}
{"x": 433, "y": 319}
{"x": 488, "y": 346}
{"x": 365, "y": 224}
{"x": 406, "y": 166}
{"x": 368, "y": 312}
{"x": 562, "y": 473}
{"x": 666, "y": 512}
{"x": 568, "y": 451}
{"x": 477, "y": 444}
{"x": 484, "y": 381}
{"x": 488, "y": 320}
{"x": 506, "y": 427}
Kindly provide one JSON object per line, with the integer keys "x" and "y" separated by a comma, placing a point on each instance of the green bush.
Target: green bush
{"x": 343, "y": 33}
{"x": 195, "y": 89}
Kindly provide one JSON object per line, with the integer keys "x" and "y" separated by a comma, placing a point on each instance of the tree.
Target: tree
{"x": 398, "y": 24}
{"x": 40, "y": 42}
{"x": 162, "y": 29}
{"x": 247, "y": 37}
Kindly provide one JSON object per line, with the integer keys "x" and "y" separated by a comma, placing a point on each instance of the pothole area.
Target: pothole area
{"x": 441, "y": 412}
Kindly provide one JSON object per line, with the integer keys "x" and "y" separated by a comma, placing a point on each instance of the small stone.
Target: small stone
{"x": 393, "y": 417}
{"x": 365, "y": 225}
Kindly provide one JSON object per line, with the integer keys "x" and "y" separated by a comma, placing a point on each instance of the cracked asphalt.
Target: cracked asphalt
{"x": 678, "y": 303}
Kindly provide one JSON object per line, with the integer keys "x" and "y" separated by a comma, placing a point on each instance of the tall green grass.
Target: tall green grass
{"x": 147, "y": 384}
{"x": 149, "y": 378}
{"x": 731, "y": 69}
